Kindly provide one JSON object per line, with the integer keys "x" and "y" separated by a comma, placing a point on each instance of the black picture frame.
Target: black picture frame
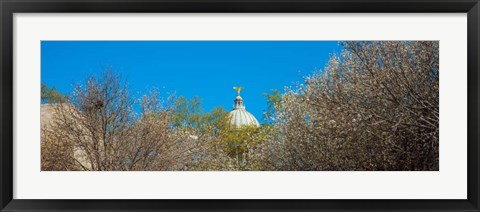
{"x": 9, "y": 7}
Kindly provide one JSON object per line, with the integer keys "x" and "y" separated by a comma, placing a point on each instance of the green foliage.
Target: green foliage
{"x": 51, "y": 95}
{"x": 239, "y": 139}
{"x": 274, "y": 99}
{"x": 242, "y": 144}
{"x": 187, "y": 112}
{"x": 216, "y": 121}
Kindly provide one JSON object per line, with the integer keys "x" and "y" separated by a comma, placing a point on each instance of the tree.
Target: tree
{"x": 274, "y": 98}
{"x": 51, "y": 95}
{"x": 99, "y": 130}
{"x": 375, "y": 107}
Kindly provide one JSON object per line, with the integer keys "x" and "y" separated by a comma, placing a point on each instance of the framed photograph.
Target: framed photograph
{"x": 262, "y": 105}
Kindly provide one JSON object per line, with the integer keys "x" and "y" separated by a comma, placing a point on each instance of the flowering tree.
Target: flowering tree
{"x": 98, "y": 130}
{"x": 375, "y": 107}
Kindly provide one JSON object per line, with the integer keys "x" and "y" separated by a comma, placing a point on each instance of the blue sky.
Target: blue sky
{"x": 208, "y": 69}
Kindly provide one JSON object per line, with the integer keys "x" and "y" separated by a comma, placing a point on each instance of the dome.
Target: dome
{"x": 239, "y": 116}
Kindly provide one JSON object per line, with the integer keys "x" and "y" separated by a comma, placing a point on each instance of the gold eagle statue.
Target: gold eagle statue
{"x": 238, "y": 89}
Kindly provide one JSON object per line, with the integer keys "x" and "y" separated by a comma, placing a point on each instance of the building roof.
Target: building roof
{"x": 239, "y": 116}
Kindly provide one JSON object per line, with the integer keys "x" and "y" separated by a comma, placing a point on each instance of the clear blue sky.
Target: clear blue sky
{"x": 208, "y": 69}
